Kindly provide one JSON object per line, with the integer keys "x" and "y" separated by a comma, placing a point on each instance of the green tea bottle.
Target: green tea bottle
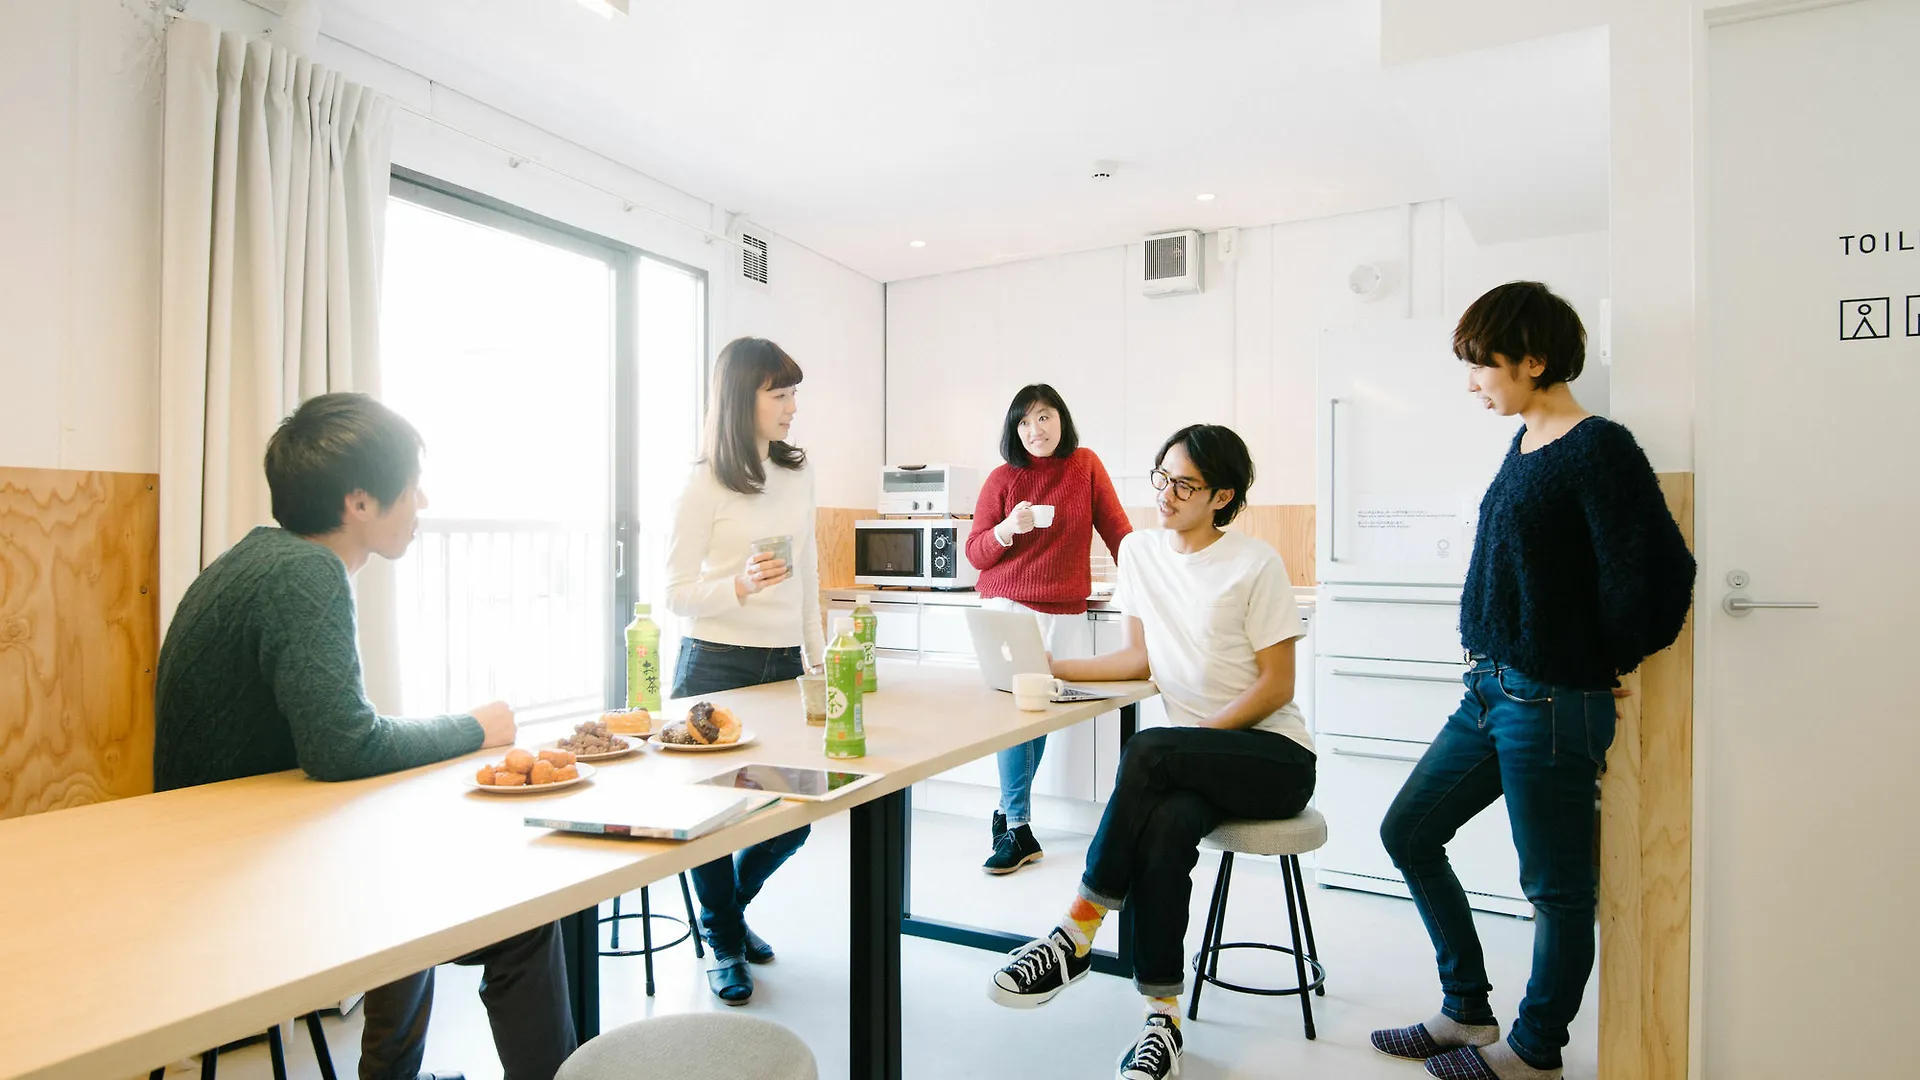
{"x": 866, "y": 625}
{"x": 643, "y": 660}
{"x": 846, "y": 722}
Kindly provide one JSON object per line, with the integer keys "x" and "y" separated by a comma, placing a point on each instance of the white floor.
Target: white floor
{"x": 1380, "y": 973}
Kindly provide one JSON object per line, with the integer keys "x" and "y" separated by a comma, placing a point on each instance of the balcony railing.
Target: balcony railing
{"x": 512, "y": 610}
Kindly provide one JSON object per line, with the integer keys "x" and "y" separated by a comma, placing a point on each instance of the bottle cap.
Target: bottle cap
{"x": 643, "y": 609}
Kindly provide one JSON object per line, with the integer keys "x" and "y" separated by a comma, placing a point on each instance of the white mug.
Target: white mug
{"x": 1042, "y": 515}
{"x": 1033, "y": 692}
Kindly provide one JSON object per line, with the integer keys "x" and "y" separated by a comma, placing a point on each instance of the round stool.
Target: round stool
{"x": 689, "y": 927}
{"x": 693, "y": 1046}
{"x": 1287, "y": 838}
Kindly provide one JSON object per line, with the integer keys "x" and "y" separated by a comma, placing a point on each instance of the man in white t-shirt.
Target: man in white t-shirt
{"x": 1211, "y": 618}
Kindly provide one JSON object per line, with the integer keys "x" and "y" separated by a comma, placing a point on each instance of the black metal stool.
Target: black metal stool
{"x": 210, "y": 1060}
{"x": 690, "y": 928}
{"x": 1287, "y": 838}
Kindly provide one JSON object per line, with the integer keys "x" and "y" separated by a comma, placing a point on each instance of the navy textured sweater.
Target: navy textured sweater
{"x": 1579, "y": 572}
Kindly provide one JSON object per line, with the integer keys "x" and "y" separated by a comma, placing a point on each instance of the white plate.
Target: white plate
{"x": 632, "y": 746}
{"x": 586, "y": 774}
{"x": 746, "y": 738}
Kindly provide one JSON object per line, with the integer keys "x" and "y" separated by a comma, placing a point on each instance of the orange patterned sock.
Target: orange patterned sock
{"x": 1168, "y": 1007}
{"x": 1082, "y": 923}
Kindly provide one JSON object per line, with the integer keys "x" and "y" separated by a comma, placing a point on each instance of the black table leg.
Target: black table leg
{"x": 580, "y": 940}
{"x": 879, "y": 875}
{"x": 1108, "y": 963}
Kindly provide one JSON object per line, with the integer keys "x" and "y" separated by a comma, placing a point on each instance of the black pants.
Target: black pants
{"x": 524, "y": 987}
{"x": 1176, "y": 785}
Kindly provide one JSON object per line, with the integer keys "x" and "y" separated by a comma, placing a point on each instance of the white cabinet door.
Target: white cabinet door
{"x": 896, "y": 626}
{"x": 1357, "y": 781}
{"x": 944, "y": 634}
{"x": 1385, "y": 699}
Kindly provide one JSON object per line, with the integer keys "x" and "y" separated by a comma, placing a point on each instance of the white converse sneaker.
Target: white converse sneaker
{"x": 1156, "y": 1054}
{"x": 1039, "y": 971}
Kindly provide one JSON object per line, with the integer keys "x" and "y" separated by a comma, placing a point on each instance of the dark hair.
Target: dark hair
{"x": 331, "y": 447}
{"x": 1522, "y": 319}
{"x": 1223, "y": 461}
{"x": 731, "y": 446}
{"x": 1011, "y": 448}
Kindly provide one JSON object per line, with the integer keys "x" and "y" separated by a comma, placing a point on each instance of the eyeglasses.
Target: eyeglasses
{"x": 1182, "y": 489}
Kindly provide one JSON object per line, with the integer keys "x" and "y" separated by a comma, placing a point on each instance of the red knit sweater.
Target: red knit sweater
{"x": 1046, "y": 569}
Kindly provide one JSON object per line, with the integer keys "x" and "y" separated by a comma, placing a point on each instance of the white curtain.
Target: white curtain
{"x": 274, "y": 195}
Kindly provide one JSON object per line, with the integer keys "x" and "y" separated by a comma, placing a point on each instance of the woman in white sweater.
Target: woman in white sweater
{"x": 749, "y": 617}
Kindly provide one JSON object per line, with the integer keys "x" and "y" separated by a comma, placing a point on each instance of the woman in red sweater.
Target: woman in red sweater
{"x": 1047, "y": 500}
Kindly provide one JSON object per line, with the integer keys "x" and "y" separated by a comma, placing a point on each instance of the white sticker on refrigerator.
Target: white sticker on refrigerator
{"x": 1429, "y": 531}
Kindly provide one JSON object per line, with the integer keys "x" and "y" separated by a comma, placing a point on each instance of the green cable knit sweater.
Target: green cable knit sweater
{"x": 260, "y": 672}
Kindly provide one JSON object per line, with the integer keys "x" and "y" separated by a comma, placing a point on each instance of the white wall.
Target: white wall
{"x": 79, "y": 237}
{"x": 80, "y": 115}
{"x": 1242, "y": 352}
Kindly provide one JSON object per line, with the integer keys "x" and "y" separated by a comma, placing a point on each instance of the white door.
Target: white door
{"x": 1807, "y": 462}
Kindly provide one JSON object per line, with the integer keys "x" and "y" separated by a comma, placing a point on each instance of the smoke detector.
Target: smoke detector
{"x": 1365, "y": 281}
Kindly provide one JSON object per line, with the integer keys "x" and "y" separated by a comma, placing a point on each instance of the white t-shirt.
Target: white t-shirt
{"x": 1205, "y": 615}
{"x": 713, "y": 532}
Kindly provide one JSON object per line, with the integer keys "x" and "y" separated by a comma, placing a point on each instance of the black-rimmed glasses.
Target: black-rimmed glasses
{"x": 1183, "y": 489}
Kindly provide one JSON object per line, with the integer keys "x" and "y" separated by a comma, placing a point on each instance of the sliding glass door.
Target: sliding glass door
{"x": 542, "y": 366}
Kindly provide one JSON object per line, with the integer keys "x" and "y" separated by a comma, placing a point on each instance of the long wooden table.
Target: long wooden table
{"x": 142, "y": 931}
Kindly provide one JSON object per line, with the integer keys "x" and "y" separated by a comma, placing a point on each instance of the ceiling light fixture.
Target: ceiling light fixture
{"x": 1205, "y": 196}
{"x": 916, "y": 243}
{"x": 606, "y": 9}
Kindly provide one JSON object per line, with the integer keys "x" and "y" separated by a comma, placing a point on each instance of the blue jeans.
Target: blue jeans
{"x": 727, "y": 885}
{"x": 1018, "y": 764}
{"x": 1176, "y": 785}
{"x": 1543, "y": 746}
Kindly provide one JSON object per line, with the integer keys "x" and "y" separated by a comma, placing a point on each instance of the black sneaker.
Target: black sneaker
{"x": 999, "y": 825}
{"x": 1014, "y": 849}
{"x": 1040, "y": 970}
{"x": 1156, "y": 1054}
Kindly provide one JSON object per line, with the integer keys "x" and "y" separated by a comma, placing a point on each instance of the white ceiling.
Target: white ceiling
{"x": 855, "y": 126}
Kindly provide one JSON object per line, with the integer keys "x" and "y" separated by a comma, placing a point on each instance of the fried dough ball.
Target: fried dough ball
{"x": 556, "y": 758}
{"x": 520, "y": 761}
{"x": 542, "y": 773}
{"x": 484, "y": 776}
{"x": 506, "y": 778}
{"x": 569, "y": 772}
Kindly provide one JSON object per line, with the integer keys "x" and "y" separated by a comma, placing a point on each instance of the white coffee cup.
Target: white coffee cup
{"x": 1042, "y": 515}
{"x": 1033, "y": 692}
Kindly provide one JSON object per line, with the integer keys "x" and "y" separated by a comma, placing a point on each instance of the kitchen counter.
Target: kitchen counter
{"x": 851, "y": 594}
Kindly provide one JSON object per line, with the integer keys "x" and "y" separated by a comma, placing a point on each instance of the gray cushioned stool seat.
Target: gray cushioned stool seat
{"x": 693, "y": 1046}
{"x": 1304, "y": 832}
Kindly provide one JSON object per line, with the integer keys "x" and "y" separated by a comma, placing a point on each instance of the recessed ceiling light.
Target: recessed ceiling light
{"x": 605, "y": 8}
{"x": 916, "y": 243}
{"x": 1205, "y": 196}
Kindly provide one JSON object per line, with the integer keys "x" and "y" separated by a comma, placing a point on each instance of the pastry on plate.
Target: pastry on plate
{"x": 627, "y": 721}
{"x": 706, "y": 724}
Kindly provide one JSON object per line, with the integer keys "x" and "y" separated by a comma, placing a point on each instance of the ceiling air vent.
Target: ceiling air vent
{"x": 753, "y": 258}
{"x": 1173, "y": 264}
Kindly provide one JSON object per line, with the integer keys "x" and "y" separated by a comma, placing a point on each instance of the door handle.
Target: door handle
{"x": 1738, "y": 606}
{"x": 1344, "y": 752}
{"x": 619, "y": 558}
{"x": 1333, "y": 480}
{"x": 1450, "y": 680}
{"x": 1394, "y": 600}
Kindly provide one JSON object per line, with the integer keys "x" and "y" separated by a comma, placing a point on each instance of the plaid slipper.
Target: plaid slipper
{"x": 1407, "y": 1042}
{"x": 1461, "y": 1063}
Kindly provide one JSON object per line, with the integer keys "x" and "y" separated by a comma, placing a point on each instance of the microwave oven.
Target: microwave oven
{"x": 922, "y": 553}
{"x": 929, "y": 490}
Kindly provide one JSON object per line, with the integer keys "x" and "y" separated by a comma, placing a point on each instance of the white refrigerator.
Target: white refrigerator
{"x": 1405, "y": 453}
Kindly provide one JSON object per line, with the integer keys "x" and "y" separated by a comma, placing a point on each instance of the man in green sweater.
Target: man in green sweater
{"x": 260, "y": 673}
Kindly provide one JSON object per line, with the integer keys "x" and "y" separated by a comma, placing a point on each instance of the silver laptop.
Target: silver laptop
{"x": 1007, "y": 643}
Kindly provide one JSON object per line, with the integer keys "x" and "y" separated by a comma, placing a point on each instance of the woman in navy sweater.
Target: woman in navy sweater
{"x": 1578, "y": 574}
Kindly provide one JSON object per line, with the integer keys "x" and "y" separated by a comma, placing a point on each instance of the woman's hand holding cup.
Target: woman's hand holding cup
{"x": 763, "y": 571}
{"x": 1019, "y": 522}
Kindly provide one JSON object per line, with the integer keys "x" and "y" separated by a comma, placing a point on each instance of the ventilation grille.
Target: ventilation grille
{"x": 1167, "y": 257}
{"x": 753, "y": 258}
